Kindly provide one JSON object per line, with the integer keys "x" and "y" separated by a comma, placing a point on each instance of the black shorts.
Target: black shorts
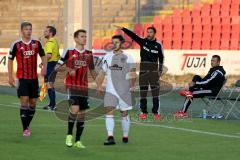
{"x": 28, "y": 87}
{"x": 50, "y": 75}
{"x": 80, "y": 101}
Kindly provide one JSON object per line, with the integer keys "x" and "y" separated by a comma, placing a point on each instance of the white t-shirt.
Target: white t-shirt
{"x": 117, "y": 67}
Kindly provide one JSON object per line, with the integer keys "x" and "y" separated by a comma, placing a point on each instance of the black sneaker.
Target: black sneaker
{"x": 125, "y": 139}
{"x": 110, "y": 141}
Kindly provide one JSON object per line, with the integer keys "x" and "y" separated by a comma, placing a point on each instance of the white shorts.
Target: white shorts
{"x": 123, "y": 103}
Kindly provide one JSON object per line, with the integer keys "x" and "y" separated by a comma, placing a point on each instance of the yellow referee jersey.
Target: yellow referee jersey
{"x": 52, "y": 47}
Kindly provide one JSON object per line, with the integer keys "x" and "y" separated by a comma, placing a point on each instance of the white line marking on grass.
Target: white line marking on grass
{"x": 167, "y": 127}
{"x": 190, "y": 130}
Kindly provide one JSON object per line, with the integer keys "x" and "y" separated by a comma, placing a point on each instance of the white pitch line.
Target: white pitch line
{"x": 170, "y": 127}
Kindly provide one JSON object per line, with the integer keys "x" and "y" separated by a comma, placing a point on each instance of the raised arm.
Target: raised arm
{"x": 131, "y": 34}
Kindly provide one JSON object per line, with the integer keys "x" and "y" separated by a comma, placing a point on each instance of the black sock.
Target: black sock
{"x": 71, "y": 121}
{"x": 23, "y": 116}
{"x": 31, "y": 112}
{"x": 80, "y": 127}
{"x": 52, "y": 97}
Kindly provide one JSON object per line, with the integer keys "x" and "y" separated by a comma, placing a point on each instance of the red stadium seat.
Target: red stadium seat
{"x": 224, "y": 45}
{"x": 196, "y": 44}
{"x": 225, "y": 11}
{"x": 207, "y": 28}
{"x": 206, "y": 35}
{"x": 167, "y": 27}
{"x": 157, "y": 20}
{"x": 205, "y": 44}
{"x": 177, "y": 35}
{"x": 187, "y": 20}
{"x": 186, "y": 13}
{"x": 167, "y": 44}
{"x": 159, "y": 28}
{"x": 97, "y": 43}
{"x": 226, "y": 35}
{"x": 206, "y": 20}
{"x": 205, "y": 11}
{"x": 196, "y": 20}
{"x": 197, "y": 28}
{"x": 215, "y": 45}
{"x": 235, "y": 20}
{"x": 234, "y": 10}
{"x": 215, "y": 11}
{"x": 167, "y": 35}
{"x": 187, "y": 44}
{"x": 177, "y": 44}
{"x": 226, "y": 20}
{"x": 138, "y": 29}
{"x": 198, "y": 6}
{"x": 177, "y": 28}
{"x": 216, "y": 28}
{"x": 197, "y": 36}
{"x": 216, "y": 36}
{"x": 176, "y": 20}
{"x": 195, "y": 13}
{"x": 226, "y": 27}
{"x": 216, "y": 20}
{"x": 187, "y": 28}
{"x": 234, "y": 44}
{"x": 187, "y": 36}
{"x": 235, "y": 28}
{"x": 226, "y": 2}
{"x": 235, "y": 34}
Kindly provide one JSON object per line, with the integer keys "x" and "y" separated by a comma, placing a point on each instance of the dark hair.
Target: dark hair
{"x": 153, "y": 28}
{"x": 76, "y": 33}
{"x": 25, "y": 23}
{"x": 120, "y": 37}
{"x": 217, "y": 56}
{"x": 52, "y": 30}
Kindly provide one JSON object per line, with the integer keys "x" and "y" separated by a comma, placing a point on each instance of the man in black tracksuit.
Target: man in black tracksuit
{"x": 210, "y": 85}
{"x": 151, "y": 66}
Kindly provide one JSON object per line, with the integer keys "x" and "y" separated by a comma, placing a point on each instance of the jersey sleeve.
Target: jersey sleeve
{"x": 91, "y": 62}
{"x": 131, "y": 62}
{"x": 49, "y": 46}
{"x": 63, "y": 57}
{"x": 13, "y": 51}
{"x": 41, "y": 50}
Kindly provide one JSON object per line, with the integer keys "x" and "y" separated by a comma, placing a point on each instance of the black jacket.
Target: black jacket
{"x": 151, "y": 51}
{"x": 214, "y": 80}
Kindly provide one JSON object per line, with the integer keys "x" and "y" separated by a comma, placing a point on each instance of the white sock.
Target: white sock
{"x": 125, "y": 125}
{"x": 109, "y": 124}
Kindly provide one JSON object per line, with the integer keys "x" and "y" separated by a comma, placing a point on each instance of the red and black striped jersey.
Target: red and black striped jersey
{"x": 80, "y": 61}
{"x": 26, "y": 55}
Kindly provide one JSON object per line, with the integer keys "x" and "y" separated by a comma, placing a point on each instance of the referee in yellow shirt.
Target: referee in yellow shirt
{"x": 52, "y": 51}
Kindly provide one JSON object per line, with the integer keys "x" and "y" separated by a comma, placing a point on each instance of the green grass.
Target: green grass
{"x": 166, "y": 140}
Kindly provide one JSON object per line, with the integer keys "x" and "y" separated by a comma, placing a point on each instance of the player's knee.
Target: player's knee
{"x": 109, "y": 110}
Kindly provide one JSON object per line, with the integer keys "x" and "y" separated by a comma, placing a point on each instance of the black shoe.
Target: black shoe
{"x": 125, "y": 139}
{"x": 110, "y": 141}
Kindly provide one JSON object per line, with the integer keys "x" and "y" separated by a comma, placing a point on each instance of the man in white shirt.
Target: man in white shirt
{"x": 120, "y": 73}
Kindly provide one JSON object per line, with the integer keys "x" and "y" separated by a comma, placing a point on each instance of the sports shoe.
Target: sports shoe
{"x": 79, "y": 145}
{"x": 157, "y": 116}
{"x": 142, "y": 116}
{"x": 125, "y": 139}
{"x": 69, "y": 142}
{"x": 47, "y": 107}
{"x": 180, "y": 114}
{"x": 26, "y": 133}
{"x": 186, "y": 93}
{"x": 110, "y": 141}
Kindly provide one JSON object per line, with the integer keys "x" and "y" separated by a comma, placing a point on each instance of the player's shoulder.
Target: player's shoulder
{"x": 108, "y": 55}
{"x": 16, "y": 42}
{"x": 88, "y": 51}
